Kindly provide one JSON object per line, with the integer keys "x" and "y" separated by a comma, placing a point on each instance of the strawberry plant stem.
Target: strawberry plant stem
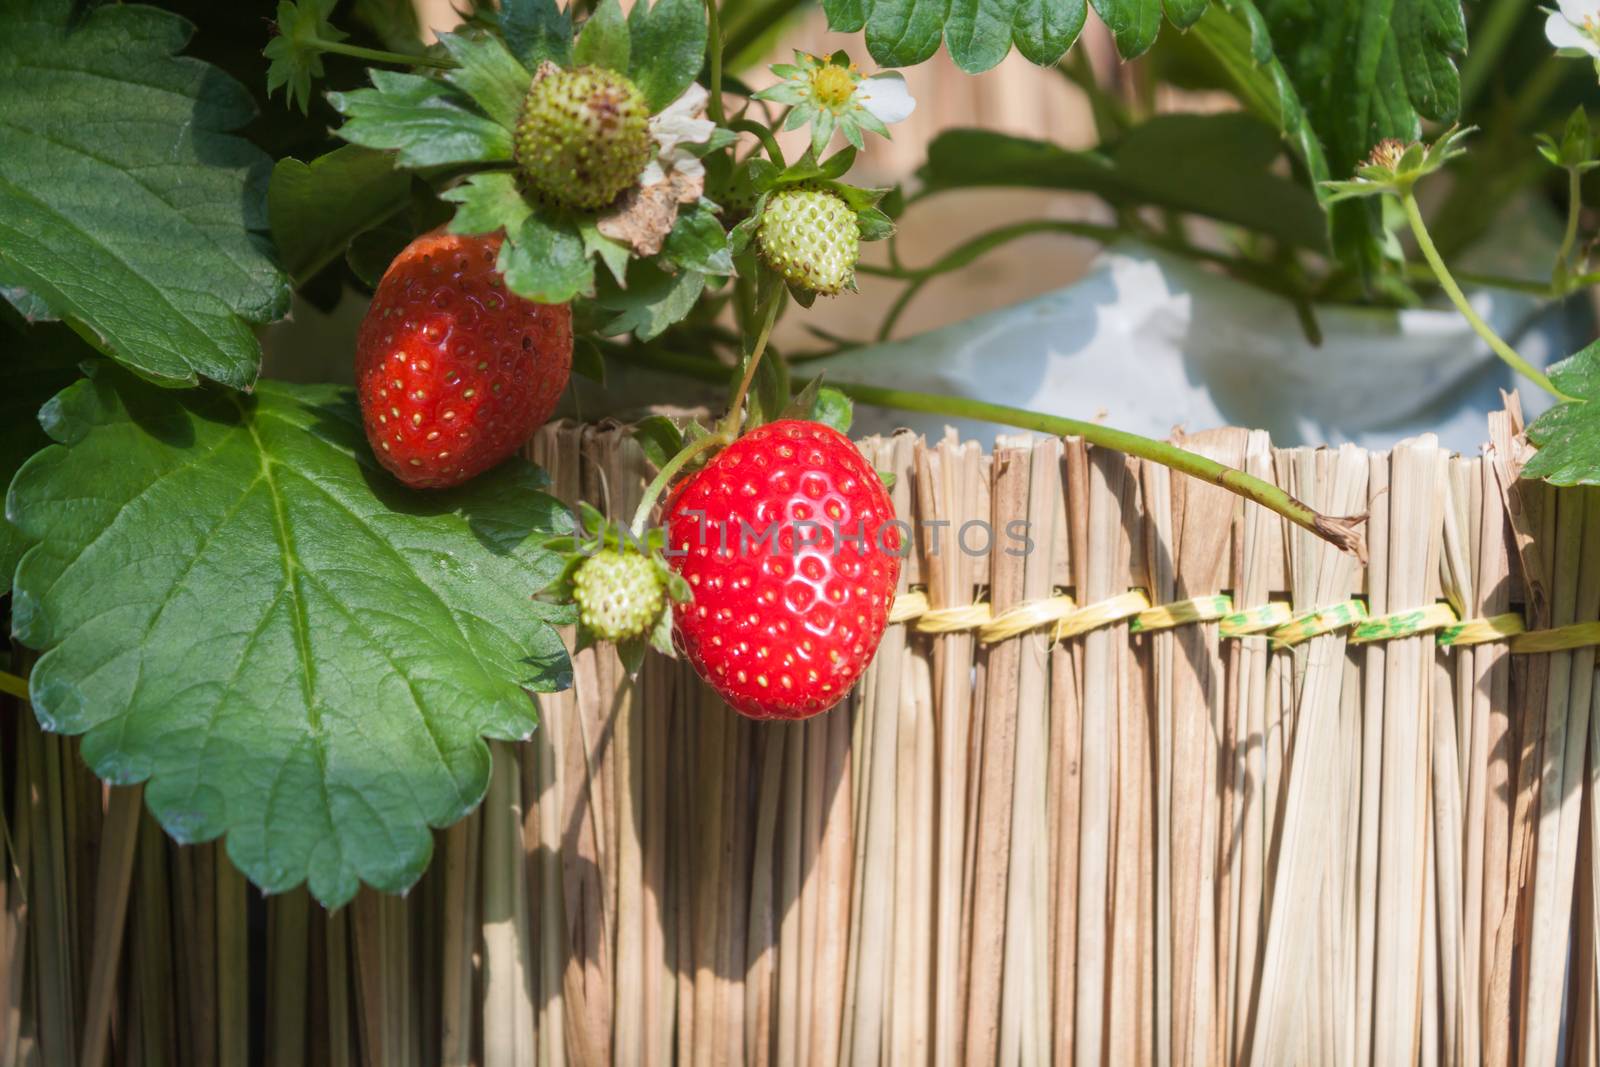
{"x": 769, "y": 142}
{"x": 1511, "y": 356}
{"x": 1570, "y": 237}
{"x": 714, "y": 47}
{"x": 1345, "y": 532}
{"x": 664, "y": 477}
{"x": 767, "y": 314}
{"x": 378, "y": 56}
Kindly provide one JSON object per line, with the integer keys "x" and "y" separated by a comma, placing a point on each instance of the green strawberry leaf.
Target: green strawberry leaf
{"x": 318, "y": 208}
{"x": 1133, "y": 23}
{"x": 652, "y": 301}
{"x": 535, "y": 30}
{"x": 823, "y": 404}
{"x": 40, "y": 361}
{"x": 604, "y": 39}
{"x": 429, "y": 122}
{"x": 490, "y": 201}
{"x": 1568, "y": 435}
{"x": 239, "y": 607}
{"x": 295, "y": 50}
{"x": 1043, "y": 30}
{"x": 659, "y": 439}
{"x": 1363, "y": 70}
{"x": 488, "y": 73}
{"x": 126, "y": 205}
{"x": 546, "y": 262}
{"x": 698, "y": 242}
{"x": 613, "y": 254}
{"x": 24, "y": 303}
{"x": 667, "y": 49}
{"x": 978, "y": 33}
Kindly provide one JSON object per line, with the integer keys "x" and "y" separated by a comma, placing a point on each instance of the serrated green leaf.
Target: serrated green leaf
{"x": 1043, "y": 30}
{"x": 537, "y": 30}
{"x": 1568, "y": 435}
{"x": 295, "y": 50}
{"x": 659, "y": 438}
{"x": 489, "y": 201}
{"x": 126, "y": 205}
{"x": 613, "y": 254}
{"x": 239, "y": 607}
{"x": 28, "y": 305}
{"x": 487, "y": 73}
{"x": 426, "y": 120}
{"x": 977, "y": 33}
{"x": 652, "y": 301}
{"x": 875, "y": 225}
{"x": 38, "y": 363}
{"x": 318, "y": 208}
{"x": 604, "y": 40}
{"x": 1362, "y": 71}
{"x": 545, "y": 262}
{"x": 668, "y": 48}
{"x": 1184, "y": 13}
{"x": 908, "y": 31}
{"x": 1133, "y": 23}
{"x": 698, "y": 241}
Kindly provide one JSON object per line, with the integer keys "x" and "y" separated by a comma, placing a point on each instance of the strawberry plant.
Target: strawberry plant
{"x": 294, "y": 611}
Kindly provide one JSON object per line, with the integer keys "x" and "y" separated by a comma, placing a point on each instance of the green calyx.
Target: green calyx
{"x": 812, "y": 238}
{"x": 583, "y": 136}
{"x": 619, "y": 594}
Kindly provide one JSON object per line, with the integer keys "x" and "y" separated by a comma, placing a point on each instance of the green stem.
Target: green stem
{"x": 767, "y": 313}
{"x": 377, "y": 56}
{"x": 1570, "y": 237}
{"x": 663, "y": 478}
{"x": 1510, "y": 355}
{"x": 764, "y": 135}
{"x": 12, "y": 685}
{"x": 1343, "y": 532}
{"x": 714, "y": 47}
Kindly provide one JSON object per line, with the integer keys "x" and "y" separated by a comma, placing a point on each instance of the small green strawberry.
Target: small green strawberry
{"x": 812, "y": 238}
{"x": 584, "y": 136}
{"x": 619, "y": 594}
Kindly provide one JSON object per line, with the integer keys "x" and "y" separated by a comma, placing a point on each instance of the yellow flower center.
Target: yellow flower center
{"x": 1387, "y": 153}
{"x": 832, "y": 86}
{"x": 1590, "y": 29}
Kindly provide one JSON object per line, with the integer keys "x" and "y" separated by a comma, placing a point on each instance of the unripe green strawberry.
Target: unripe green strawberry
{"x": 584, "y": 136}
{"x": 618, "y": 594}
{"x": 812, "y": 238}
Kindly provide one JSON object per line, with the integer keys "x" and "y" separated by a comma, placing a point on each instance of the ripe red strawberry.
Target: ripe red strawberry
{"x": 455, "y": 372}
{"x": 782, "y": 627}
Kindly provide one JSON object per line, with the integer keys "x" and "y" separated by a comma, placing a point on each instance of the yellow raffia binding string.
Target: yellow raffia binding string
{"x": 1256, "y": 621}
{"x": 1102, "y": 613}
{"x": 13, "y": 686}
{"x": 1560, "y": 639}
{"x": 1481, "y": 631}
{"x": 908, "y": 606}
{"x": 953, "y": 620}
{"x": 1311, "y": 624}
{"x": 1182, "y": 612}
{"x": 1029, "y": 615}
{"x": 1274, "y": 620}
{"x": 1405, "y": 624}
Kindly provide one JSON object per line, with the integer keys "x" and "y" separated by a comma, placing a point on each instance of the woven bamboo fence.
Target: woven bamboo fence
{"x": 1180, "y": 785}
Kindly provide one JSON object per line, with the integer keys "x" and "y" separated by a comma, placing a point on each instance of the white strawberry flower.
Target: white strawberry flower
{"x": 1574, "y": 29}
{"x": 680, "y": 123}
{"x": 831, "y": 94}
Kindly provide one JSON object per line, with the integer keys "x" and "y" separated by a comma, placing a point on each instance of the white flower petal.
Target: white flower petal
{"x": 687, "y": 165}
{"x": 1575, "y": 11}
{"x": 653, "y": 174}
{"x": 679, "y": 123}
{"x": 1563, "y": 34}
{"x": 886, "y": 96}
